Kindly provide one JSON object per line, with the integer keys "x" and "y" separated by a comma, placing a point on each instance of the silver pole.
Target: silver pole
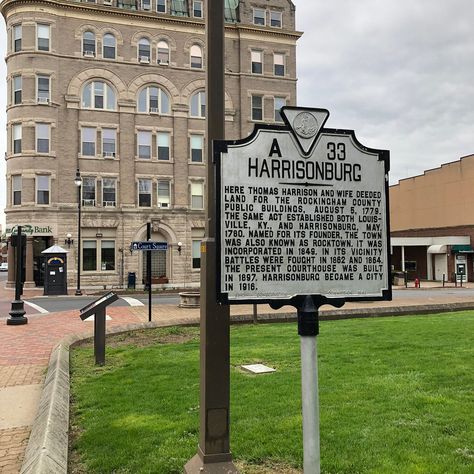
{"x": 310, "y": 403}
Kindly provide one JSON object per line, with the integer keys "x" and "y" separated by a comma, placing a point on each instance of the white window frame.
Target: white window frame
{"x": 90, "y": 51}
{"x": 109, "y": 134}
{"x": 43, "y": 98}
{"x": 163, "y": 3}
{"x": 276, "y": 108}
{"x": 15, "y": 89}
{"x": 43, "y": 132}
{"x": 17, "y": 137}
{"x": 104, "y": 45}
{"x": 38, "y": 189}
{"x": 254, "y": 15}
{"x": 163, "y": 141}
{"x": 44, "y": 27}
{"x": 279, "y": 60}
{"x": 84, "y": 132}
{"x": 196, "y": 56}
{"x": 142, "y": 56}
{"x": 163, "y": 200}
{"x": 98, "y": 245}
{"x": 162, "y": 94}
{"x": 253, "y": 108}
{"x": 17, "y": 185}
{"x": 198, "y": 2}
{"x": 256, "y": 59}
{"x": 144, "y": 139}
{"x": 196, "y": 191}
{"x": 150, "y": 182}
{"x": 194, "y": 137}
{"x": 17, "y": 35}
{"x": 272, "y": 20}
{"x": 108, "y": 202}
{"x": 90, "y": 201}
{"x": 162, "y": 49}
{"x": 200, "y": 98}
{"x": 108, "y": 93}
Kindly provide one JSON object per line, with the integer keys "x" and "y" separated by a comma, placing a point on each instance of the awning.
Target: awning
{"x": 462, "y": 249}
{"x": 437, "y": 249}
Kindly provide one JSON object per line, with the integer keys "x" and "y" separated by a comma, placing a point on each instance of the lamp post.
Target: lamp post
{"x": 180, "y": 247}
{"x": 78, "y": 183}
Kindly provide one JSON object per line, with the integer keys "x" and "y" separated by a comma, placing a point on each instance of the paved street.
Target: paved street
{"x": 25, "y": 350}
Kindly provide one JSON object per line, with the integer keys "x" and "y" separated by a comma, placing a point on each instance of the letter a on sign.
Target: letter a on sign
{"x": 275, "y": 149}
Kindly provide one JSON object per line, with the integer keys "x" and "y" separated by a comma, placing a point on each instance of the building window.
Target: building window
{"x": 42, "y": 189}
{"x": 198, "y": 104}
{"x": 108, "y": 46}
{"x": 196, "y": 146}
{"x": 161, "y": 6}
{"x": 109, "y": 186}
{"x": 196, "y": 253}
{"x": 108, "y": 142}
{"x": 144, "y": 192}
{"x": 275, "y": 19}
{"x": 197, "y": 8}
{"x": 42, "y": 137}
{"x": 279, "y": 64}
{"x": 16, "y": 90}
{"x": 17, "y": 34}
{"x": 163, "y": 144}
{"x": 154, "y": 100}
{"x": 107, "y": 255}
{"x": 144, "y": 50}
{"x": 278, "y": 103}
{"x": 42, "y": 37}
{"x": 197, "y": 195}
{"x": 163, "y": 53}
{"x": 89, "y": 255}
{"x": 88, "y": 43}
{"x": 43, "y": 89}
{"x": 146, "y": 5}
{"x": 98, "y": 95}
{"x": 257, "y": 62}
{"x": 88, "y": 141}
{"x": 257, "y": 107}
{"x": 179, "y": 7}
{"x": 258, "y": 16}
{"x": 16, "y": 135}
{"x": 144, "y": 144}
{"x": 163, "y": 193}
{"x": 88, "y": 191}
{"x": 16, "y": 190}
{"x": 196, "y": 56}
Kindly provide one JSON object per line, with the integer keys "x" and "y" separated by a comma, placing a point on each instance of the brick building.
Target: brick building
{"x": 115, "y": 89}
{"x": 432, "y": 224}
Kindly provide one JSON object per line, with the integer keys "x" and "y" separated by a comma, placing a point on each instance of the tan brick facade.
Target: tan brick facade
{"x": 86, "y": 91}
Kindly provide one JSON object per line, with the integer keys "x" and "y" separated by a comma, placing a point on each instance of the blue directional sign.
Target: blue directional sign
{"x": 149, "y": 245}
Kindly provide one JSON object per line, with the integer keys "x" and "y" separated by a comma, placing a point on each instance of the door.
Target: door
{"x": 441, "y": 266}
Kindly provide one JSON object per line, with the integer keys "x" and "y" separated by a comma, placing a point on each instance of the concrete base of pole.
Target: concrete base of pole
{"x": 17, "y": 314}
{"x": 310, "y": 402}
{"x": 196, "y": 465}
{"x": 78, "y": 293}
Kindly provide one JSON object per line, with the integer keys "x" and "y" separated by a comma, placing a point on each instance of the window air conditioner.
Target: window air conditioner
{"x": 89, "y": 54}
{"x": 144, "y": 60}
{"x": 163, "y": 204}
{"x": 43, "y": 100}
{"x": 108, "y": 2}
{"x": 163, "y": 62}
{"x": 109, "y": 154}
{"x": 146, "y": 6}
{"x": 88, "y": 202}
{"x": 109, "y": 203}
{"x": 153, "y": 110}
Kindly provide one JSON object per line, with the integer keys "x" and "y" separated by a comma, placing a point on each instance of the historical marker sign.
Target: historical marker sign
{"x": 302, "y": 210}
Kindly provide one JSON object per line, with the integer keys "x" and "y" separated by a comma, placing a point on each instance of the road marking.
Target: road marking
{"x": 132, "y": 301}
{"x": 91, "y": 318}
{"x": 38, "y": 308}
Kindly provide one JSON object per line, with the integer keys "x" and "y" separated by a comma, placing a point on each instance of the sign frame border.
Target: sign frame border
{"x": 221, "y": 146}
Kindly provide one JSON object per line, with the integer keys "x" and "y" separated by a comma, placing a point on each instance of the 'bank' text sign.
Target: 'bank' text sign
{"x": 301, "y": 210}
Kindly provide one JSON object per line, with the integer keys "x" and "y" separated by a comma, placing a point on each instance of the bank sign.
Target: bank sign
{"x": 301, "y": 210}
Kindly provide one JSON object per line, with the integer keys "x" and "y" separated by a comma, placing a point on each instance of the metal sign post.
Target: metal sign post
{"x": 302, "y": 219}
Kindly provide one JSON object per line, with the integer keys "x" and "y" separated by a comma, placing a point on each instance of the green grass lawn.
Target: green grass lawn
{"x": 396, "y": 396}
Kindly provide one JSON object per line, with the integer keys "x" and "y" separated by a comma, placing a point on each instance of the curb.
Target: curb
{"x": 47, "y": 449}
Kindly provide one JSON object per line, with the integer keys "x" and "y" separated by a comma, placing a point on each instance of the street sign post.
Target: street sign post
{"x": 149, "y": 245}
{"x": 302, "y": 220}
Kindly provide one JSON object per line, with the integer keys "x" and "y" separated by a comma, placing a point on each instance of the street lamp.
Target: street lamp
{"x": 68, "y": 241}
{"x": 78, "y": 183}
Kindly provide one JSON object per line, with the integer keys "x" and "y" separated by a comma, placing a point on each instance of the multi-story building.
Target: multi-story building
{"x": 115, "y": 89}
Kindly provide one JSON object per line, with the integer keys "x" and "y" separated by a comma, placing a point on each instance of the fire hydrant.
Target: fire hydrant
{"x": 417, "y": 282}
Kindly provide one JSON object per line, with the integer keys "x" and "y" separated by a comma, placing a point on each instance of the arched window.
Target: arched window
{"x": 163, "y": 53}
{"x": 196, "y": 56}
{"x": 144, "y": 50}
{"x": 198, "y": 104}
{"x": 98, "y": 95}
{"x": 108, "y": 42}
{"x": 88, "y": 43}
{"x": 153, "y": 99}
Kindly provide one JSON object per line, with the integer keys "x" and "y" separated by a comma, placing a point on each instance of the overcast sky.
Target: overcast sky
{"x": 398, "y": 72}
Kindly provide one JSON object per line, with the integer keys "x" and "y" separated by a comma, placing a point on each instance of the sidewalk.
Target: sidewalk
{"x": 25, "y": 350}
